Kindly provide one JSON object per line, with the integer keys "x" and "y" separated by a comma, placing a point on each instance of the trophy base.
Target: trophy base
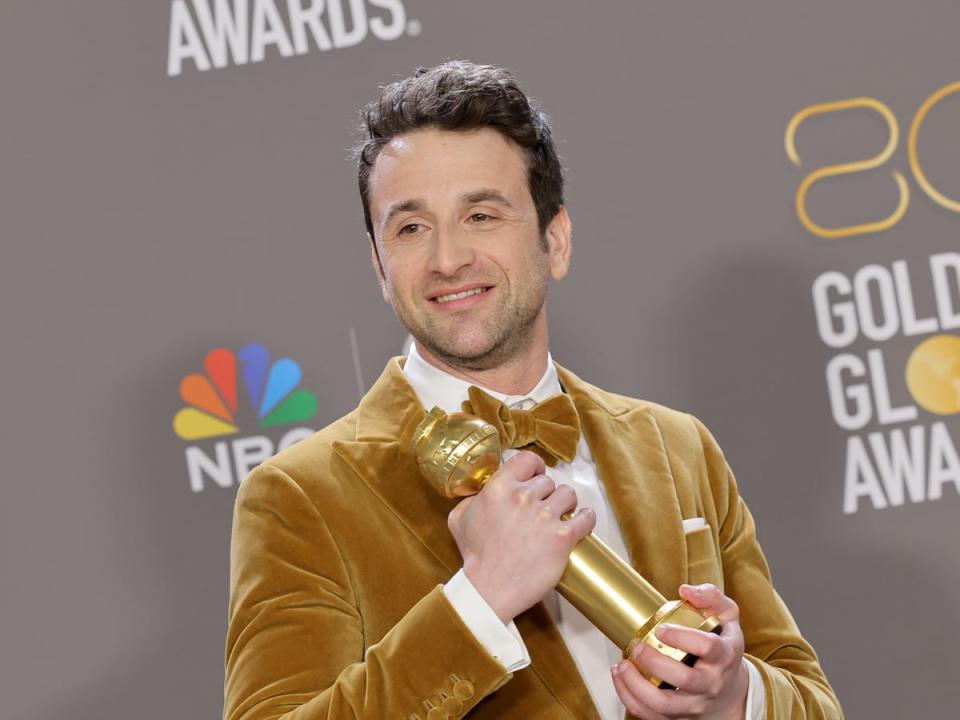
{"x": 675, "y": 612}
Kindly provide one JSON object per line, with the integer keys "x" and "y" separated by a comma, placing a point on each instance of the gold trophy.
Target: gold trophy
{"x": 458, "y": 453}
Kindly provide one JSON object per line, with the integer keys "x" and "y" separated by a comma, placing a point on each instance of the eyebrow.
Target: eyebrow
{"x": 475, "y": 196}
{"x": 478, "y": 196}
{"x": 402, "y": 207}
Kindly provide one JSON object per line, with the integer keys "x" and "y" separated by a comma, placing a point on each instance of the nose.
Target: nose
{"x": 451, "y": 251}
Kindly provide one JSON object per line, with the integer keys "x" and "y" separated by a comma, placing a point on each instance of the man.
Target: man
{"x": 359, "y": 592}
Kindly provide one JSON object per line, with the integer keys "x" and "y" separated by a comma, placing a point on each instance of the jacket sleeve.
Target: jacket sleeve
{"x": 295, "y": 644}
{"x": 795, "y": 685}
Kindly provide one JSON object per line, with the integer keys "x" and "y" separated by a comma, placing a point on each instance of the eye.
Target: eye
{"x": 409, "y": 229}
{"x": 480, "y": 217}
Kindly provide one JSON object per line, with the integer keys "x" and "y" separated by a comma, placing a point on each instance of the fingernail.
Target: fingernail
{"x": 662, "y": 629}
{"x": 615, "y": 669}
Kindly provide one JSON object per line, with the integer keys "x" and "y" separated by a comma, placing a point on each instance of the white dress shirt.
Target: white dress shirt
{"x": 592, "y": 652}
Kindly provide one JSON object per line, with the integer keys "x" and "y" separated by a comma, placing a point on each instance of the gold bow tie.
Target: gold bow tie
{"x": 550, "y": 428}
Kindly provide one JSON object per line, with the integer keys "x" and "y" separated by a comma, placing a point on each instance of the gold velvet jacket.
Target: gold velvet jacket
{"x": 340, "y": 549}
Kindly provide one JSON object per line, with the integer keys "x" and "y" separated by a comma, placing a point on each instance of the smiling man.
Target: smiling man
{"x": 359, "y": 592}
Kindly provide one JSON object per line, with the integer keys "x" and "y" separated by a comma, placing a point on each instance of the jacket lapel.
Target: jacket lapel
{"x": 632, "y": 464}
{"x": 381, "y": 456}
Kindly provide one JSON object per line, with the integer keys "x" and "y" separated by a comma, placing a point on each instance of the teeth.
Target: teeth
{"x": 457, "y": 296}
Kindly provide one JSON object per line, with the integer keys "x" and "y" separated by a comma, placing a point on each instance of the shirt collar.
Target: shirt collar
{"x": 437, "y": 388}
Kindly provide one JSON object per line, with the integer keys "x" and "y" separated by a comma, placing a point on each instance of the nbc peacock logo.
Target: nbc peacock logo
{"x": 214, "y": 409}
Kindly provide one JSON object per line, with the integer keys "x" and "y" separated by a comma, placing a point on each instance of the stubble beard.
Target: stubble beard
{"x": 509, "y": 331}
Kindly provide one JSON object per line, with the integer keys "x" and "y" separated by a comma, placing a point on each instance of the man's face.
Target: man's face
{"x": 463, "y": 264}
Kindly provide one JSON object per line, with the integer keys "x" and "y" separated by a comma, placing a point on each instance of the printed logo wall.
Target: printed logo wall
{"x": 214, "y": 410}
{"x": 912, "y": 455}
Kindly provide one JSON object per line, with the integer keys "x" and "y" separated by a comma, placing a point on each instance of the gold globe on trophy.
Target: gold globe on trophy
{"x": 457, "y": 453}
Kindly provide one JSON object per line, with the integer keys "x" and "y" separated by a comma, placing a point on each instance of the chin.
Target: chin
{"x": 467, "y": 353}
{"x": 481, "y": 356}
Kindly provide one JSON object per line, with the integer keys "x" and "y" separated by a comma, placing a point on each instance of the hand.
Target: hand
{"x": 513, "y": 542}
{"x": 716, "y": 687}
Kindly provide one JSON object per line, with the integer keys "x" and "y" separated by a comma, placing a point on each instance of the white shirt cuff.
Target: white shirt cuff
{"x": 503, "y": 642}
{"x": 756, "y": 695}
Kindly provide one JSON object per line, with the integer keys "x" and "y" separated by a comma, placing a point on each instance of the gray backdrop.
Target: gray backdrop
{"x": 150, "y": 217}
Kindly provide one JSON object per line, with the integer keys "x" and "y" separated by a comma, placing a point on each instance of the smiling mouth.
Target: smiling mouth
{"x": 440, "y": 299}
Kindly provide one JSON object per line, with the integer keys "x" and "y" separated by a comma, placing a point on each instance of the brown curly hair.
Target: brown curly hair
{"x": 459, "y": 95}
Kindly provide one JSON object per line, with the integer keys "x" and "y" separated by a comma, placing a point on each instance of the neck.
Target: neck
{"x": 515, "y": 376}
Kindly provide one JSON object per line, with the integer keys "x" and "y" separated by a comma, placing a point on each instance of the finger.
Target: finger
{"x": 522, "y": 466}
{"x": 657, "y": 703}
{"x": 561, "y": 500}
{"x": 710, "y": 600}
{"x": 581, "y": 523}
{"x": 690, "y": 640}
{"x": 654, "y": 663}
{"x": 630, "y": 701}
{"x": 540, "y": 487}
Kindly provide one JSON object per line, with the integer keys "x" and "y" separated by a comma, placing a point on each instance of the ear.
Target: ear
{"x": 378, "y": 268}
{"x": 559, "y": 236}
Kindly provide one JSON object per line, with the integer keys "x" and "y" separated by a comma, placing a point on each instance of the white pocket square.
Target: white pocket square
{"x": 691, "y": 524}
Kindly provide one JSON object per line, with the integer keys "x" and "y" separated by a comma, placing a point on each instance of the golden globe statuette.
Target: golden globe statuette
{"x": 458, "y": 453}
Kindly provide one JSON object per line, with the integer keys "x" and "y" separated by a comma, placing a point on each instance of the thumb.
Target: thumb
{"x": 453, "y": 518}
